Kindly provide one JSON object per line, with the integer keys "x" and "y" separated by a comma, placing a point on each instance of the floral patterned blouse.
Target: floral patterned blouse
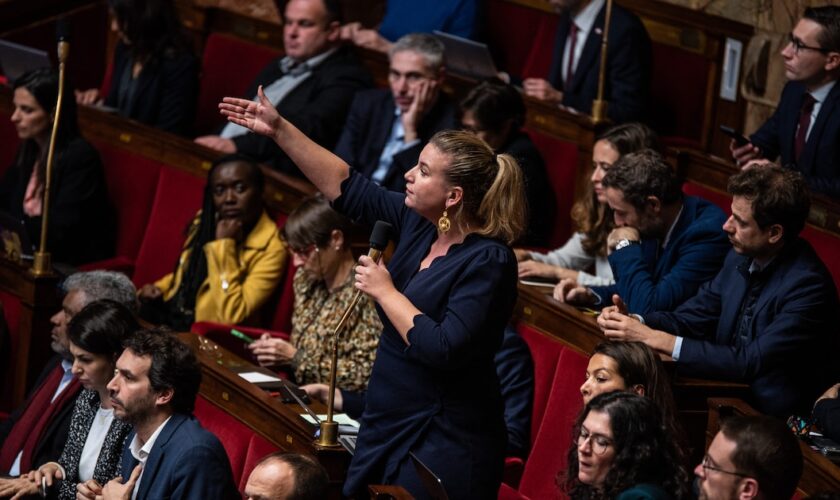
{"x": 316, "y": 314}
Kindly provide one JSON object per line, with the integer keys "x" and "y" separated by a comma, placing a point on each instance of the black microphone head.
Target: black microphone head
{"x": 380, "y": 235}
{"x": 62, "y": 30}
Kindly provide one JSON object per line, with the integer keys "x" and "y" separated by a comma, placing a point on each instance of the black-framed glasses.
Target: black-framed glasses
{"x": 798, "y": 45}
{"x": 598, "y": 442}
{"x": 707, "y": 466}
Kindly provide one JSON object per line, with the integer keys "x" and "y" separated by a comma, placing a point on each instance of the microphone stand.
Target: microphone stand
{"x": 42, "y": 264}
{"x": 599, "y": 105}
{"x": 328, "y": 437}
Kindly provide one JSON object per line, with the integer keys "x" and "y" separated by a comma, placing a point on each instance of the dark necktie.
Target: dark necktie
{"x": 755, "y": 284}
{"x": 292, "y": 67}
{"x": 808, "y": 102}
{"x": 570, "y": 65}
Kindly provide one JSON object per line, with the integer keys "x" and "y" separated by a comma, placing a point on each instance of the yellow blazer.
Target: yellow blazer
{"x": 239, "y": 278}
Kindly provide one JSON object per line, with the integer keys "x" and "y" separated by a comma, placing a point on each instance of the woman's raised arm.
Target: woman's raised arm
{"x": 321, "y": 167}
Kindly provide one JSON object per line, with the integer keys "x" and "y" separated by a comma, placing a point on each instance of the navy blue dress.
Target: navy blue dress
{"x": 439, "y": 396}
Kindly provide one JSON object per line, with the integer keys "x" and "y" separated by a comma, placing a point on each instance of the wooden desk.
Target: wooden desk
{"x": 277, "y": 422}
{"x": 38, "y": 299}
{"x": 819, "y": 474}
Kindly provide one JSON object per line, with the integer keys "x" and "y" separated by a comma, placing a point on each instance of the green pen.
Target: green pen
{"x": 241, "y": 336}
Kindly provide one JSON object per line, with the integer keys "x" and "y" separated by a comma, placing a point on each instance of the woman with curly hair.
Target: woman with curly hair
{"x": 591, "y": 215}
{"x": 621, "y": 449}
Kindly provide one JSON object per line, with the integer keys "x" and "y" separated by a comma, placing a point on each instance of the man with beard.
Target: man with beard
{"x": 36, "y": 432}
{"x": 169, "y": 454}
{"x": 665, "y": 245}
{"x": 750, "y": 457}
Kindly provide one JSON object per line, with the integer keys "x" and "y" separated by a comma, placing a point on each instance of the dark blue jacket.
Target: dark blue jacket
{"x": 628, "y": 66}
{"x": 369, "y": 125}
{"x": 786, "y": 354}
{"x": 650, "y": 278}
{"x": 186, "y": 462}
{"x": 820, "y": 160}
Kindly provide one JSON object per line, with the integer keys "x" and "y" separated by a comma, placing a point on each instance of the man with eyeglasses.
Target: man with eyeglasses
{"x": 750, "y": 457}
{"x": 387, "y": 128}
{"x": 804, "y": 132}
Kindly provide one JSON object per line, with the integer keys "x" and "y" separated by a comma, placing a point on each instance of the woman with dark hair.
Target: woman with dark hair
{"x": 319, "y": 240}
{"x": 631, "y": 367}
{"x": 233, "y": 257}
{"x": 154, "y": 77}
{"x": 621, "y": 449}
{"x": 444, "y": 298}
{"x": 95, "y": 441}
{"x": 591, "y": 216}
{"x": 495, "y": 112}
{"x": 80, "y": 229}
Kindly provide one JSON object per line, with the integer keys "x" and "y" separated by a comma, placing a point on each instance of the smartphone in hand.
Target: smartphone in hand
{"x": 739, "y": 138}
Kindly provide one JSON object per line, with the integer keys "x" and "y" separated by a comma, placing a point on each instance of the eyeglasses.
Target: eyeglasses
{"x": 707, "y": 466}
{"x": 798, "y": 45}
{"x": 598, "y": 442}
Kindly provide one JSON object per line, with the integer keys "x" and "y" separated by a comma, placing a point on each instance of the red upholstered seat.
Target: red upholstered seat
{"x": 677, "y": 110}
{"x": 545, "y": 351}
{"x": 561, "y": 162}
{"x": 827, "y": 246}
{"x": 11, "y": 312}
{"x": 242, "y": 445}
{"x": 177, "y": 199}
{"x": 548, "y": 454}
{"x": 9, "y": 140}
{"x": 719, "y": 198}
{"x": 229, "y": 65}
{"x": 524, "y": 38}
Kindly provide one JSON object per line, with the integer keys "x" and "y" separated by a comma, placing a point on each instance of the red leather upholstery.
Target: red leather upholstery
{"x": 229, "y": 65}
{"x": 521, "y": 54}
{"x": 238, "y": 439}
{"x": 719, "y": 198}
{"x": 677, "y": 110}
{"x": 177, "y": 199}
{"x": 561, "y": 162}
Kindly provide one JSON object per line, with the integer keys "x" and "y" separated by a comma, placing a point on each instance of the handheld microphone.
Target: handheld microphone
{"x": 62, "y": 36}
{"x": 379, "y": 238}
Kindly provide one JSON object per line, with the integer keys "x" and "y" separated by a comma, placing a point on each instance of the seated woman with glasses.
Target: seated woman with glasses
{"x": 495, "y": 112}
{"x": 591, "y": 215}
{"x": 318, "y": 238}
{"x": 622, "y": 450}
{"x": 232, "y": 259}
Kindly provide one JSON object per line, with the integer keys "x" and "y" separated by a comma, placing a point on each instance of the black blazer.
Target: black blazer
{"x": 628, "y": 66}
{"x": 55, "y": 434}
{"x": 538, "y": 192}
{"x": 166, "y": 94}
{"x": 820, "y": 160}
{"x": 81, "y": 219}
{"x": 367, "y": 129}
{"x": 317, "y": 106}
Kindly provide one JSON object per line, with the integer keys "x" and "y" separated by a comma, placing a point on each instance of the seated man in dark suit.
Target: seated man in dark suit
{"x": 282, "y": 476}
{"x": 168, "y": 454}
{"x": 36, "y": 432}
{"x": 312, "y": 85}
{"x": 573, "y": 78}
{"x": 665, "y": 245}
{"x": 767, "y": 319}
{"x": 386, "y": 130}
{"x": 804, "y": 132}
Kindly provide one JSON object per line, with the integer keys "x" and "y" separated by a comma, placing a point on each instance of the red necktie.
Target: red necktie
{"x": 808, "y": 102}
{"x": 573, "y": 30}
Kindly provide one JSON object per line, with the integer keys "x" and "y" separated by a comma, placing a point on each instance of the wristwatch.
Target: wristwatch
{"x": 625, "y": 243}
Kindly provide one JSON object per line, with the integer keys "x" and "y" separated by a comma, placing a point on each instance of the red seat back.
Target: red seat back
{"x": 524, "y": 38}
{"x": 545, "y": 351}
{"x": 561, "y": 163}
{"x": 719, "y": 198}
{"x": 9, "y": 140}
{"x": 177, "y": 199}
{"x": 229, "y": 65}
{"x": 827, "y": 246}
{"x": 678, "y": 114}
{"x": 549, "y": 453}
{"x": 11, "y": 312}
{"x": 242, "y": 445}
{"x": 132, "y": 184}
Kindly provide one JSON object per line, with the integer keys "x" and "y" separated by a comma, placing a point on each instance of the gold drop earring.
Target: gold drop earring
{"x": 444, "y": 224}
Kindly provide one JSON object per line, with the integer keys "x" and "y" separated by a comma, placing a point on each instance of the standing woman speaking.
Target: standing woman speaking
{"x": 444, "y": 300}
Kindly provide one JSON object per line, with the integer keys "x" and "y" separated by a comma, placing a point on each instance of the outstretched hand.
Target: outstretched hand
{"x": 260, "y": 117}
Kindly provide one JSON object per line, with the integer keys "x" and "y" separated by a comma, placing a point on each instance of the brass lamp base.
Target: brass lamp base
{"x": 329, "y": 435}
{"x": 599, "y": 110}
{"x": 42, "y": 265}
